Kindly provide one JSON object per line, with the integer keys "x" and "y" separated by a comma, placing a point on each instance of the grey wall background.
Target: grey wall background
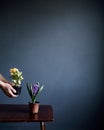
{"x": 60, "y": 44}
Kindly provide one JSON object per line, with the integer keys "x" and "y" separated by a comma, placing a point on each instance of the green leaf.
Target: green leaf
{"x": 29, "y": 89}
{"x": 41, "y": 88}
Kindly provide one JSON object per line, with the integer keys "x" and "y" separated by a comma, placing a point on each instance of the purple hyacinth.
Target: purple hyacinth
{"x": 35, "y": 88}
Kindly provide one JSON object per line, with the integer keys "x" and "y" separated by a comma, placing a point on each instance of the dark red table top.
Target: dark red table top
{"x": 20, "y": 113}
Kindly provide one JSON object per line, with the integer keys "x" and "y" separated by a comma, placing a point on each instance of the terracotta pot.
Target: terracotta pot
{"x": 34, "y": 107}
{"x": 18, "y": 90}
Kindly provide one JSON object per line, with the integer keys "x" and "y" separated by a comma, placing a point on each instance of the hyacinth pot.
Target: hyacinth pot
{"x": 18, "y": 90}
{"x": 34, "y": 107}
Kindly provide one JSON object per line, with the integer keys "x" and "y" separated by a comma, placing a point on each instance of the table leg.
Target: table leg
{"x": 42, "y": 126}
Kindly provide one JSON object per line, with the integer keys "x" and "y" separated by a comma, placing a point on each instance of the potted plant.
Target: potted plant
{"x": 16, "y": 77}
{"x": 34, "y": 91}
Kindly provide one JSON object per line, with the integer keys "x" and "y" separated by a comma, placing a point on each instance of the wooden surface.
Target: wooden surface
{"x": 20, "y": 113}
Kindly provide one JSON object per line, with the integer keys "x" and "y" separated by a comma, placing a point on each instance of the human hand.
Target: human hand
{"x": 8, "y": 89}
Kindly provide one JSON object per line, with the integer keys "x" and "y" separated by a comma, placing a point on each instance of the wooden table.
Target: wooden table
{"x": 20, "y": 113}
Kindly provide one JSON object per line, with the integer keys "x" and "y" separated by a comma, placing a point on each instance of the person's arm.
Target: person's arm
{"x": 5, "y": 80}
{"x": 6, "y": 86}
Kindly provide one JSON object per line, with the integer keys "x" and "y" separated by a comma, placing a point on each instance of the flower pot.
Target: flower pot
{"x": 18, "y": 90}
{"x": 34, "y": 107}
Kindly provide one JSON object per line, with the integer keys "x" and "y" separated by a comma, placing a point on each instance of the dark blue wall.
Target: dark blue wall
{"x": 60, "y": 44}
